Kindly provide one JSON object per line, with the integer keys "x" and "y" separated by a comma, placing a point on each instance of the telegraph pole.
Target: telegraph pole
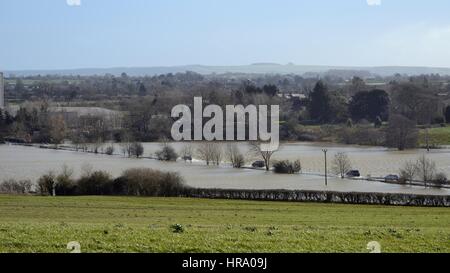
{"x": 326, "y": 172}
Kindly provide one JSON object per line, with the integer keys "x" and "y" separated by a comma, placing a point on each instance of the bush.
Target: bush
{"x": 287, "y": 167}
{"x": 136, "y": 182}
{"x": 440, "y": 179}
{"x": 46, "y": 184}
{"x": 177, "y": 228}
{"x": 110, "y": 150}
{"x": 97, "y": 183}
{"x": 136, "y": 149}
{"x": 361, "y": 136}
{"x": 149, "y": 182}
{"x": 378, "y": 122}
{"x": 167, "y": 153}
{"x": 239, "y": 161}
{"x": 12, "y": 186}
{"x": 439, "y": 120}
{"x": 65, "y": 184}
{"x": 235, "y": 156}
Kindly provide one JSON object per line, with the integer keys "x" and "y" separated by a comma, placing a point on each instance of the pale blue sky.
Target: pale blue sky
{"x": 50, "y": 34}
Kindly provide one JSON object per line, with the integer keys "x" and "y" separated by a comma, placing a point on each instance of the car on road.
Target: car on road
{"x": 258, "y": 164}
{"x": 353, "y": 173}
{"x": 392, "y": 178}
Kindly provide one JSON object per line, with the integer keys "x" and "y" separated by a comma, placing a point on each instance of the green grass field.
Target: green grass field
{"x": 437, "y": 136}
{"x": 125, "y": 224}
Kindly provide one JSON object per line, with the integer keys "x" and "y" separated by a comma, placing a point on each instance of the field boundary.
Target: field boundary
{"x": 390, "y": 199}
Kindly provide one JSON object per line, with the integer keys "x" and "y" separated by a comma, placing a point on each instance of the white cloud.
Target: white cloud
{"x": 373, "y": 2}
{"x": 73, "y": 2}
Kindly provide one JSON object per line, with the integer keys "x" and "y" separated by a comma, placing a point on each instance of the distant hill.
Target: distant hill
{"x": 259, "y": 68}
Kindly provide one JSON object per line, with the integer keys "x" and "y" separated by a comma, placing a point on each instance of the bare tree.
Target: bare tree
{"x": 205, "y": 152}
{"x": 217, "y": 153}
{"x": 266, "y": 156}
{"x": 57, "y": 129}
{"x": 401, "y": 133}
{"x": 187, "y": 152}
{"x": 426, "y": 169}
{"x": 408, "y": 171}
{"x": 126, "y": 144}
{"x": 136, "y": 149}
{"x": 210, "y": 152}
{"x": 234, "y": 156}
{"x": 342, "y": 164}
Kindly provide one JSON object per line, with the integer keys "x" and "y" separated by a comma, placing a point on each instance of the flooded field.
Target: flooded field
{"x": 29, "y": 163}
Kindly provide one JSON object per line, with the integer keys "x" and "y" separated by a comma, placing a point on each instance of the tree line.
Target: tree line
{"x": 385, "y": 115}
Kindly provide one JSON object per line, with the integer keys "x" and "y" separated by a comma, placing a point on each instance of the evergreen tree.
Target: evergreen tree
{"x": 319, "y": 105}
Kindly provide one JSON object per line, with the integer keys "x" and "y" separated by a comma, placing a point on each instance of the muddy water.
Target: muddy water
{"x": 30, "y": 163}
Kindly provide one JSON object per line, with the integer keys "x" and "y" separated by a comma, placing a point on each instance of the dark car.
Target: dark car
{"x": 392, "y": 178}
{"x": 353, "y": 173}
{"x": 187, "y": 158}
{"x": 258, "y": 164}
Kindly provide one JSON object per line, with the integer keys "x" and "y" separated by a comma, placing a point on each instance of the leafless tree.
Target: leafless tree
{"x": 136, "y": 149}
{"x": 342, "y": 164}
{"x": 408, "y": 171}
{"x": 217, "y": 153}
{"x": 187, "y": 152}
{"x": 205, "y": 152}
{"x": 126, "y": 144}
{"x": 426, "y": 169}
{"x": 57, "y": 129}
{"x": 266, "y": 156}
{"x": 234, "y": 156}
{"x": 210, "y": 152}
{"x": 401, "y": 133}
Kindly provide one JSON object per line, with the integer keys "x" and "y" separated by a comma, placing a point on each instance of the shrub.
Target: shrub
{"x": 16, "y": 186}
{"x": 349, "y": 123}
{"x": 378, "y": 122}
{"x": 137, "y": 182}
{"x": 440, "y": 179}
{"x": 119, "y": 186}
{"x": 167, "y": 153}
{"x": 136, "y": 149}
{"x": 149, "y": 182}
{"x": 361, "y": 136}
{"x": 235, "y": 156}
{"x": 177, "y": 228}
{"x": 97, "y": 183}
{"x": 439, "y": 120}
{"x": 46, "y": 184}
{"x": 287, "y": 167}
{"x": 110, "y": 150}
{"x": 65, "y": 184}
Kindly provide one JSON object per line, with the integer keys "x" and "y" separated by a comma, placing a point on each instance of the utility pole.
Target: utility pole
{"x": 326, "y": 171}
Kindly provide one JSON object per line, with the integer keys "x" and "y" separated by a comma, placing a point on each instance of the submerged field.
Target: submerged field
{"x": 125, "y": 224}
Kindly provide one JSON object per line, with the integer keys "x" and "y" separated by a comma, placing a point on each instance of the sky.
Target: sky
{"x": 66, "y": 34}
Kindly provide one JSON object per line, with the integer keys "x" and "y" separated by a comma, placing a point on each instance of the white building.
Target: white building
{"x": 2, "y": 91}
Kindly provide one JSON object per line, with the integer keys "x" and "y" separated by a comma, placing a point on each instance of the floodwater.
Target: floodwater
{"x": 29, "y": 163}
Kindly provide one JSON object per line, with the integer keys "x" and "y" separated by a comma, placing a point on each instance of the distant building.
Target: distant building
{"x": 292, "y": 96}
{"x": 2, "y": 91}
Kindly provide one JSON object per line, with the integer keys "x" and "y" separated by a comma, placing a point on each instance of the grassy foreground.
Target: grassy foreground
{"x": 125, "y": 224}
